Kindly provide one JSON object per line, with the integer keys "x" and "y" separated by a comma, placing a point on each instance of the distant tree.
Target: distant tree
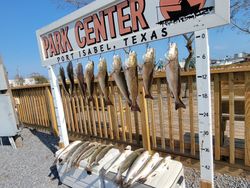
{"x": 240, "y": 15}
{"x": 39, "y": 79}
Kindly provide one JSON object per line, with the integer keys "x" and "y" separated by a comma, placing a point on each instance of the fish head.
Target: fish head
{"x": 149, "y": 56}
{"x": 102, "y": 66}
{"x": 132, "y": 59}
{"x": 117, "y": 63}
{"x": 173, "y": 51}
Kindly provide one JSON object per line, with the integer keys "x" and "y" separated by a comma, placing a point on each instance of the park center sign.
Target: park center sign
{"x": 108, "y": 25}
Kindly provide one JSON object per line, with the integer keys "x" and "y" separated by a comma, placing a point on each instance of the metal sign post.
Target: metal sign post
{"x": 61, "y": 123}
{"x": 204, "y": 107}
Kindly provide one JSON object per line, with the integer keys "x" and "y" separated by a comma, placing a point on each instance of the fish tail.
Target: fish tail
{"x": 149, "y": 96}
{"x": 179, "y": 104}
{"x": 108, "y": 102}
{"x": 135, "y": 108}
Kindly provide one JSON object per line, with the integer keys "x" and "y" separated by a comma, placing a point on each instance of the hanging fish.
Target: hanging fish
{"x": 132, "y": 79}
{"x": 80, "y": 78}
{"x": 173, "y": 75}
{"x": 119, "y": 77}
{"x": 103, "y": 81}
{"x": 70, "y": 71}
{"x": 148, "y": 71}
{"x": 90, "y": 78}
{"x": 63, "y": 78}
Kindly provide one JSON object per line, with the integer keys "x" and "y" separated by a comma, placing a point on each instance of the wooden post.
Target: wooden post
{"x": 191, "y": 114}
{"x": 231, "y": 118}
{"x": 247, "y": 118}
{"x": 217, "y": 116}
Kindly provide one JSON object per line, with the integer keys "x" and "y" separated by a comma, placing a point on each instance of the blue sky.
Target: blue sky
{"x": 19, "y": 20}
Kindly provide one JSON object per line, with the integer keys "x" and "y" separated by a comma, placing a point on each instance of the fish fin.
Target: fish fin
{"x": 108, "y": 102}
{"x": 149, "y": 96}
{"x": 118, "y": 179}
{"x": 179, "y": 104}
{"x": 129, "y": 103}
{"x": 135, "y": 108}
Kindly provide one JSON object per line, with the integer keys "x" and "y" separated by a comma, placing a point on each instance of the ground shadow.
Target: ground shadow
{"x": 49, "y": 140}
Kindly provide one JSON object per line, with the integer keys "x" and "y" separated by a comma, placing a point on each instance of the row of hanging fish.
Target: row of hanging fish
{"x": 139, "y": 165}
{"x": 126, "y": 77}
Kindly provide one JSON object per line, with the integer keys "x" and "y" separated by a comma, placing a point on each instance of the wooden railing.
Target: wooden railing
{"x": 158, "y": 126}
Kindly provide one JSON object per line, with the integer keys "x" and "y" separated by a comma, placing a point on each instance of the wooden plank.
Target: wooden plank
{"x": 144, "y": 119}
{"x": 66, "y": 110}
{"x": 163, "y": 144}
{"x": 98, "y": 115}
{"x": 204, "y": 184}
{"x": 181, "y": 135}
{"x": 129, "y": 123}
{"x": 52, "y": 111}
{"x": 79, "y": 114}
{"x": 191, "y": 114}
{"x": 122, "y": 117}
{"x": 92, "y": 116}
{"x": 231, "y": 118}
{"x": 170, "y": 119}
{"x": 68, "y": 104}
{"x": 45, "y": 105}
{"x": 73, "y": 105}
{"x": 27, "y": 109}
{"x": 88, "y": 117}
{"x": 104, "y": 119}
{"x": 217, "y": 116}
{"x": 42, "y": 104}
{"x": 111, "y": 130}
{"x": 247, "y": 119}
{"x": 136, "y": 123}
{"x": 113, "y": 111}
{"x": 153, "y": 131}
{"x": 84, "y": 115}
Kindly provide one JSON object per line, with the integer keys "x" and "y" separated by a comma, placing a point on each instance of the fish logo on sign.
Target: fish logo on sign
{"x": 173, "y": 10}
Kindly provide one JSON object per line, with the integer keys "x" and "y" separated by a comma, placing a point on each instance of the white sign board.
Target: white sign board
{"x": 108, "y": 25}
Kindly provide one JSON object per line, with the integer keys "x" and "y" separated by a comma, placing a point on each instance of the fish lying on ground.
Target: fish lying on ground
{"x": 103, "y": 81}
{"x": 126, "y": 164}
{"x": 80, "y": 78}
{"x": 69, "y": 154}
{"x": 119, "y": 77}
{"x": 148, "y": 71}
{"x": 173, "y": 75}
{"x": 70, "y": 71}
{"x": 132, "y": 79}
{"x": 93, "y": 158}
{"x": 87, "y": 154}
{"x": 160, "y": 167}
{"x": 65, "y": 150}
{"x": 63, "y": 79}
{"x": 119, "y": 159}
{"x": 102, "y": 154}
{"x": 147, "y": 169}
{"x": 75, "y": 155}
{"x": 136, "y": 167}
{"x": 89, "y": 77}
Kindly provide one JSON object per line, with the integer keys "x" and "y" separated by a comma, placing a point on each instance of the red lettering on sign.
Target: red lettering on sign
{"x": 100, "y": 27}
{"x": 110, "y": 12}
{"x": 65, "y": 40}
{"x": 52, "y": 48}
{"x": 58, "y": 42}
{"x": 123, "y": 18}
{"x": 45, "y": 46}
{"x": 137, "y": 14}
{"x": 89, "y": 30}
{"x": 80, "y": 41}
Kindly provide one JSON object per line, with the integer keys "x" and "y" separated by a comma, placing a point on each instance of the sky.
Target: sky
{"x": 19, "y": 20}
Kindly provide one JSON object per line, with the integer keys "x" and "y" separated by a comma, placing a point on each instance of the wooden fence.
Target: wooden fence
{"x": 158, "y": 127}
